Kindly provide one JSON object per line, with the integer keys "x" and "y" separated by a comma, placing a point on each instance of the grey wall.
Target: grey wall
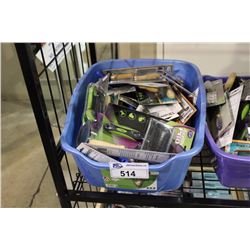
{"x": 137, "y": 50}
{"x": 13, "y": 86}
{"x": 216, "y": 59}
{"x": 12, "y": 83}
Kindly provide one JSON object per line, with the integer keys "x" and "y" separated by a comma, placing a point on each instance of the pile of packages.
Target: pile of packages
{"x": 228, "y": 113}
{"x": 143, "y": 114}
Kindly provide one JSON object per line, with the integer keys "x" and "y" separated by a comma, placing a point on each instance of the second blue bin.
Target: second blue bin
{"x": 170, "y": 174}
{"x": 232, "y": 170}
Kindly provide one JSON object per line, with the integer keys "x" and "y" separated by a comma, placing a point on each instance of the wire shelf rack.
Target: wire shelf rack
{"x": 50, "y": 92}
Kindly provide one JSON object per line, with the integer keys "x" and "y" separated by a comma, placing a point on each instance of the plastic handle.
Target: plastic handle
{"x": 130, "y": 134}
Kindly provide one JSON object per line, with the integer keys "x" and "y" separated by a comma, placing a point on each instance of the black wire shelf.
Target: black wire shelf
{"x": 201, "y": 187}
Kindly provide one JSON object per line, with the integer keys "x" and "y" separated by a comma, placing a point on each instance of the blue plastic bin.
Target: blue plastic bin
{"x": 232, "y": 170}
{"x": 173, "y": 171}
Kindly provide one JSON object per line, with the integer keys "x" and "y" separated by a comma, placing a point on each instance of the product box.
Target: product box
{"x": 183, "y": 137}
{"x": 238, "y": 147}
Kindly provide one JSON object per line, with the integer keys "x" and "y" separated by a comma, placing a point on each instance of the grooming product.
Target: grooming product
{"x": 193, "y": 98}
{"x": 183, "y": 137}
{"x": 84, "y": 132}
{"x": 238, "y": 147}
{"x": 136, "y": 74}
{"x": 94, "y": 154}
{"x": 140, "y": 84}
{"x": 166, "y": 112}
{"x": 220, "y": 119}
{"x": 215, "y": 93}
{"x": 150, "y": 89}
{"x": 188, "y": 109}
{"x": 103, "y": 143}
{"x": 243, "y": 122}
{"x": 175, "y": 82}
{"x": 246, "y": 91}
{"x": 234, "y": 99}
{"x": 164, "y": 96}
{"x": 88, "y": 109}
{"x": 158, "y": 136}
{"x": 100, "y": 96}
{"x": 248, "y": 132}
{"x": 123, "y": 132}
{"x": 128, "y": 118}
{"x": 230, "y": 81}
{"x": 129, "y": 101}
{"x": 136, "y": 154}
{"x": 121, "y": 90}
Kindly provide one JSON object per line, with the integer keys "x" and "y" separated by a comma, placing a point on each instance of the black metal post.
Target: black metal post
{"x": 30, "y": 74}
{"x": 116, "y": 51}
{"x": 92, "y": 52}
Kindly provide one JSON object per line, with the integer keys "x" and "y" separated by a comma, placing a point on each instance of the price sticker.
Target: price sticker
{"x": 129, "y": 170}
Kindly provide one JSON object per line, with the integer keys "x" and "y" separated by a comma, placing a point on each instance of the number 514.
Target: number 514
{"x": 127, "y": 173}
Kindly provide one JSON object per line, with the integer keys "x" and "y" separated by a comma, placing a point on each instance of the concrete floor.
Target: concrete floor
{"x": 23, "y": 160}
{"x": 26, "y": 178}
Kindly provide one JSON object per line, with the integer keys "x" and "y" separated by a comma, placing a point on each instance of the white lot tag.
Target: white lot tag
{"x": 129, "y": 170}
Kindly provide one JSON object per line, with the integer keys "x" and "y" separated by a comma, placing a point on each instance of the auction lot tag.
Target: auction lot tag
{"x": 129, "y": 170}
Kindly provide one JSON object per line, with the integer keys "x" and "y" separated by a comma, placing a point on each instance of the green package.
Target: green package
{"x": 183, "y": 137}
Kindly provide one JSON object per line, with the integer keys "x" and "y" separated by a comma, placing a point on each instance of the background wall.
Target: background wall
{"x": 212, "y": 58}
{"x": 13, "y": 87}
{"x": 12, "y": 83}
{"x": 137, "y": 50}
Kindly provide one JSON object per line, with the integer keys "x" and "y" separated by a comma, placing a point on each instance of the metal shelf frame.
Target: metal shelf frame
{"x": 76, "y": 193}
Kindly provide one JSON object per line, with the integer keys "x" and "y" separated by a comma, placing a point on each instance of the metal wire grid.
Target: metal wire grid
{"x": 75, "y": 182}
{"x": 189, "y": 191}
{"x": 66, "y": 84}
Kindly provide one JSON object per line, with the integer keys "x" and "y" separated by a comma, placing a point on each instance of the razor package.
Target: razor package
{"x": 139, "y": 74}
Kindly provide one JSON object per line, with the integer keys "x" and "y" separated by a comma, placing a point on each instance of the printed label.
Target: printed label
{"x": 129, "y": 170}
